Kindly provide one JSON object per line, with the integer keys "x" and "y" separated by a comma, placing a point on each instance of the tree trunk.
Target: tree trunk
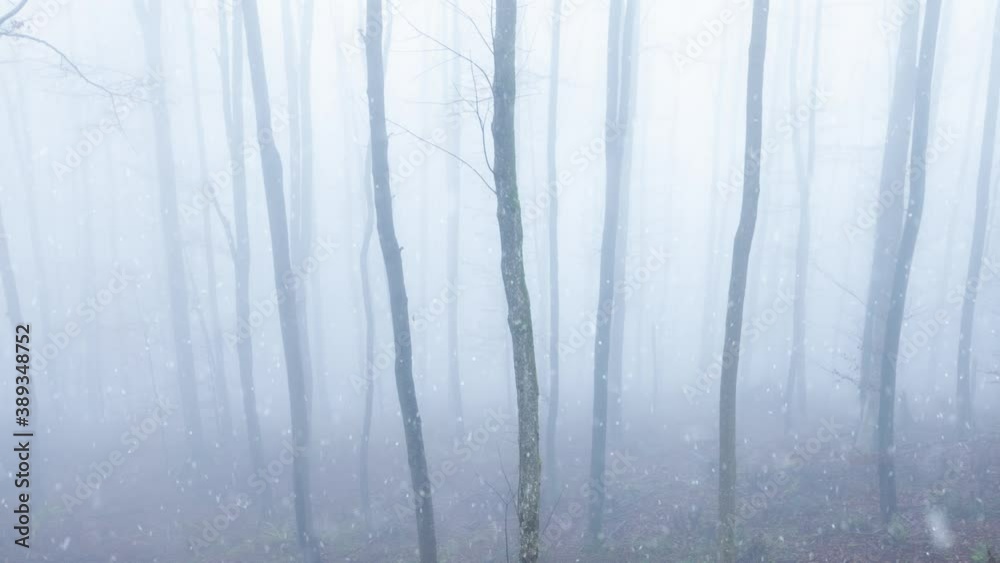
{"x": 626, "y": 100}
{"x": 901, "y": 278}
{"x": 454, "y": 232}
{"x": 616, "y": 125}
{"x": 552, "y": 474}
{"x": 223, "y": 415}
{"x": 10, "y": 294}
{"x": 512, "y": 270}
{"x": 149, "y": 12}
{"x": 232, "y": 103}
{"x": 298, "y": 391}
{"x": 888, "y": 225}
{"x": 392, "y": 256}
{"x": 742, "y": 244}
{"x": 795, "y": 396}
{"x": 965, "y": 420}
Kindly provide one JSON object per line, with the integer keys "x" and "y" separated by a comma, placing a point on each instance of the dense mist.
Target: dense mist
{"x": 470, "y": 280}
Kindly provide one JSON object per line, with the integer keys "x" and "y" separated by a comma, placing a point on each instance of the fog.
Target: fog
{"x": 468, "y": 280}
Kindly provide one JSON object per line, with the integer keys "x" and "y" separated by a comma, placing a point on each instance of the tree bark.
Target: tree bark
{"x": 965, "y": 421}
{"x": 512, "y": 270}
{"x": 392, "y": 256}
{"x": 285, "y": 282}
{"x": 901, "y": 277}
{"x": 742, "y": 245}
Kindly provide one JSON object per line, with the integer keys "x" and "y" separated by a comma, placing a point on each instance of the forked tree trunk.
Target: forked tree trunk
{"x": 149, "y": 14}
{"x": 901, "y": 278}
{"x": 965, "y": 420}
{"x": 298, "y": 391}
{"x": 512, "y": 271}
{"x": 742, "y": 244}
{"x": 392, "y": 255}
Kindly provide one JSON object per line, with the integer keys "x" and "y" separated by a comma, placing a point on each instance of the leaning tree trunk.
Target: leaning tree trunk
{"x": 553, "y": 188}
{"x": 795, "y": 395}
{"x": 964, "y": 422}
{"x": 298, "y": 392}
{"x": 615, "y": 134}
{"x": 888, "y": 226}
{"x": 392, "y": 256}
{"x": 149, "y": 13}
{"x": 742, "y": 244}
{"x": 512, "y": 271}
{"x": 901, "y": 278}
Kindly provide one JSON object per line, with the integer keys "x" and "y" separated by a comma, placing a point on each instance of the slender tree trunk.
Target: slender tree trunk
{"x": 149, "y": 12}
{"x": 454, "y": 232}
{"x": 298, "y": 391}
{"x": 232, "y": 103}
{"x": 901, "y": 278}
{"x": 888, "y": 225}
{"x": 804, "y": 167}
{"x": 223, "y": 415}
{"x": 366, "y": 298}
{"x": 512, "y": 270}
{"x": 392, "y": 256}
{"x": 616, "y": 125}
{"x": 552, "y": 473}
{"x": 626, "y": 101}
{"x": 742, "y": 244}
{"x": 965, "y": 420}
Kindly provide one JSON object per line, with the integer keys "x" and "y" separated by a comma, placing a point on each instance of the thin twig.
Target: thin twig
{"x": 439, "y": 147}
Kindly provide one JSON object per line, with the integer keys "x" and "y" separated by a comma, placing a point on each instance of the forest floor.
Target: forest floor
{"x": 809, "y": 498}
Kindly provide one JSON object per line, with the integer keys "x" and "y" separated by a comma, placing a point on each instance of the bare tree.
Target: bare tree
{"x": 620, "y": 24}
{"x": 742, "y": 245}
{"x": 901, "y": 278}
{"x": 149, "y": 14}
{"x": 965, "y": 421}
{"x": 392, "y": 256}
{"x": 512, "y": 271}
{"x": 284, "y": 281}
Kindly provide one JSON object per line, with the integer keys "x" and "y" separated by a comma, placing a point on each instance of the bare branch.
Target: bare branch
{"x": 442, "y": 149}
{"x": 13, "y": 12}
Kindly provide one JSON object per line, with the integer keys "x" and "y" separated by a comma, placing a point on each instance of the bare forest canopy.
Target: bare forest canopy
{"x": 488, "y": 280}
